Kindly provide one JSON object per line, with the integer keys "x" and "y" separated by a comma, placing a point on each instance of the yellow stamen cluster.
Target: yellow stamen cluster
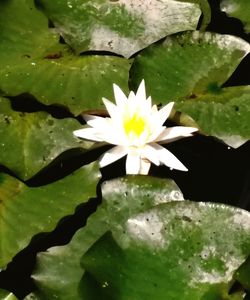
{"x": 134, "y": 125}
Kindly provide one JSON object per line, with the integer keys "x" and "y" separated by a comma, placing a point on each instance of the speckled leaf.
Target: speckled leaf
{"x": 32, "y": 60}
{"x": 26, "y": 211}
{"x": 123, "y": 27}
{"x": 225, "y": 114}
{"x": 238, "y": 9}
{"x": 30, "y": 141}
{"x": 6, "y": 295}
{"x": 58, "y": 272}
{"x": 188, "y": 64}
{"x": 190, "y": 69}
{"x": 178, "y": 250}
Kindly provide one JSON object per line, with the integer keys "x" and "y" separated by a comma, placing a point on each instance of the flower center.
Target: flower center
{"x": 134, "y": 125}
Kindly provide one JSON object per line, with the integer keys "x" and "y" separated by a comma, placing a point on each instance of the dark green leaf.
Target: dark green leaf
{"x": 190, "y": 69}
{"x": 26, "y": 211}
{"x": 225, "y": 115}
{"x": 30, "y": 141}
{"x": 188, "y": 64}
{"x": 177, "y": 250}
{"x": 123, "y": 27}
{"x": 58, "y": 272}
{"x": 32, "y": 60}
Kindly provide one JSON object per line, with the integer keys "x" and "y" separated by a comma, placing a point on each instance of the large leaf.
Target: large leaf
{"x": 177, "y": 250}
{"x": 58, "y": 273}
{"x": 32, "y": 60}
{"x": 225, "y": 114}
{"x": 239, "y": 9}
{"x": 30, "y": 141}
{"x": 123, "y": 27}
{"x": 26, "y": 211}
{"x": 190, "y": 69}
{"x": 188, "y": 64}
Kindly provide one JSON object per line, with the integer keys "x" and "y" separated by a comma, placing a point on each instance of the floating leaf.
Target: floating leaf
{"x": 238, "y": 9}
{"x": 32, "y": 60}
{"x": 58, "y": 273}
{"x": 188, "y": 64}
{"x": 225, "y": 115}
{"x": 177, "y": 250}
{"x": 30, "y": 141}
{"x": 39, "y": 209}
{"x": 190, "y": 69}
{"x": 123, "y": 27}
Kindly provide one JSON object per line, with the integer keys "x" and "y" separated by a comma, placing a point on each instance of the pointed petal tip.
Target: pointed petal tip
{"x": 77, "y": 132}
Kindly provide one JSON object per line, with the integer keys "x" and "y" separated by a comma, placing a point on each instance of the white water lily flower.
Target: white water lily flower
{"x": 136, "y": 128}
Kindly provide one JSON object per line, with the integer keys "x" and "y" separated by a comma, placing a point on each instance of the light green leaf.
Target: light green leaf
{"x": 26, "y": 211}
{"x": 238, "y": 9}
{"x": 188, "y": 64}
{"x": 32, "y": 60}
{"x": 123, "y": 27}
{"x": 190, "y": 69}
{"x": 30, "y": 141}
{"x": 177, "y": 250}
{"x": 58, "y": 272}
{"x": 225, "y": 115}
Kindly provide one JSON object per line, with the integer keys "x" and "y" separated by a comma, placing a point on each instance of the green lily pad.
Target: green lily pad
{"x": 39, "y": 209}
{"x": 58, "y": 271}
{"x": 190, "y": 69}
{"x": 238, "y": 9}
{"x": 177, "y": 250}
{"x": 30, "y": 141}
{"x": 188, "y": 64}
{"x": 225, "y": 115}
{"x": 123, "y": 27}
{"x": 32, "y": 60}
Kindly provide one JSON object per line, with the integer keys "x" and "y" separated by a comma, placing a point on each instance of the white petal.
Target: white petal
{"x": 176, "y": 133}
{"x": 131, "y": 96}
{"x": 157, "y": 132}
{"x": 168, "y": 159}
{"x": 149, "y": 103}
{"x": 89, "y": 134}
{"x": 133, "y": 162}
{"x": 151, "y": 154}
{"x": 112, "y": 155}
{"x": 144, "y": 166}
{"x": 96, "y": 121}
{"x": 141, "y": 92}
{"x": 164, "y": 113}
{"x": 111, "y": 108}
{"x": 120, "y": 97}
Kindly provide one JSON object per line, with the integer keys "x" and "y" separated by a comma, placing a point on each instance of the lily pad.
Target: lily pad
{"x": 224, "y": 115}
{"x": 39, "y": 209}
{"x": 58, "y": 273}
{"x": 123, "y": 27}
{"x": 238, "y": 9}
{"x": 33, "y": 61}
{"x": 188, "y": 64}
{"x": 190, "y": 69}
{"x": 30, "y": 141}
{"x": 176, "y": 250}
